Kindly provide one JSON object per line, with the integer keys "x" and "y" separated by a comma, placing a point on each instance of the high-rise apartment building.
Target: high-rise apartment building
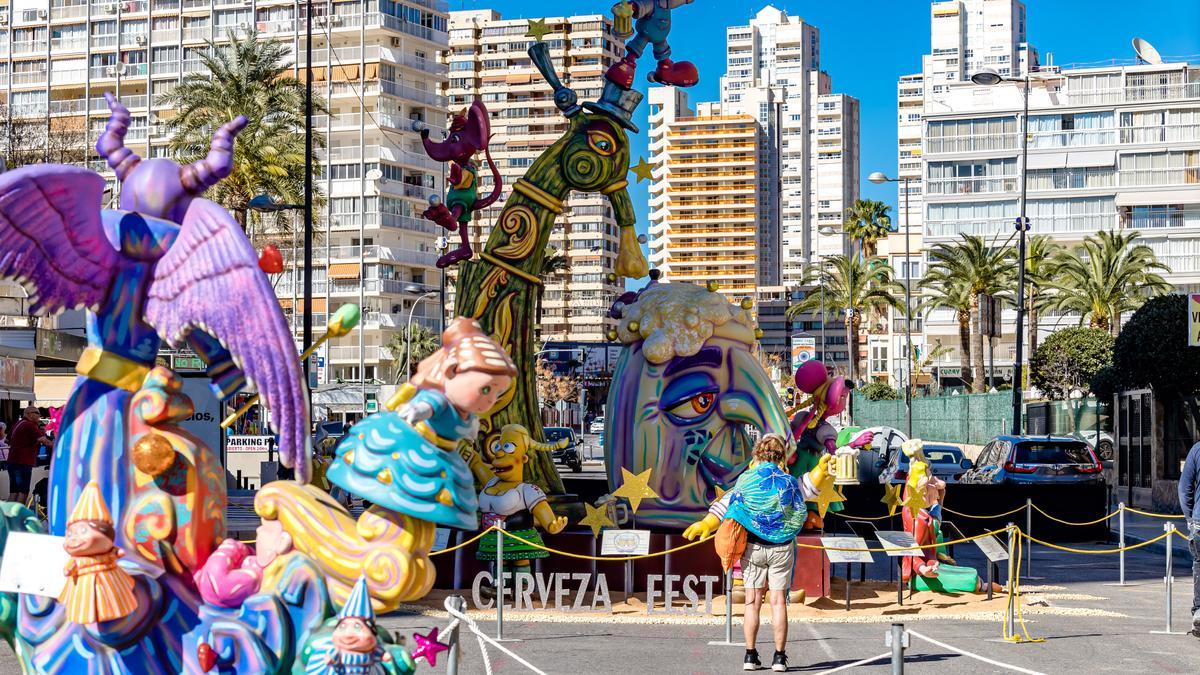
{"x": 744, "y": 187}
{"x": 488, "y": 60}
{"x": 375, "y": 62}
{"x": 1110, "y": 148}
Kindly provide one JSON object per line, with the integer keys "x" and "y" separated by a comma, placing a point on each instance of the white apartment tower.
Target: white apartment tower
{"x": 488, "y": 60}
{"x": 375, "y": 61}
{"x": 806, "y": 170}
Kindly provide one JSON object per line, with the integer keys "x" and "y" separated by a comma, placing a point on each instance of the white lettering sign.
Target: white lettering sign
{"x": 567, "y": 592}
{"x": 247, "y": 444}
{"x": 671, "y": 591}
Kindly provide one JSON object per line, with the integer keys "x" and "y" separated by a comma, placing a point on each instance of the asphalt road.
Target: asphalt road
{"x": 1073, "y": 644}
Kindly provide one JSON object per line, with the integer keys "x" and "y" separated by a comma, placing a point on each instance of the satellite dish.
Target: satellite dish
{"x": 374, "y": 174}
{"x": 1146, "y": 52}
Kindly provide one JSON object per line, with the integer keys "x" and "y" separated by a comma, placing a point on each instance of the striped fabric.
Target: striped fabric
{"x": 97, "y": 589}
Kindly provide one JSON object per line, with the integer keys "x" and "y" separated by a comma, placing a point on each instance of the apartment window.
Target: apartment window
{"x": 344, "y": 171}
{"x": 1164, "y": 216}
{"x": 879, "y": 358}
{"x": 1072, "y": 130}
{"x": 392, "y": 172}
{"x": 462, "y": 65}
{"x": 1160, "y": 168}
{"x": 970, "y": 135}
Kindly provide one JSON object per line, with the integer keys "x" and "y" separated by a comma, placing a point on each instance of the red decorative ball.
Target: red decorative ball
{"x": 206, "y": 656}
{"x": 270, "y": 260}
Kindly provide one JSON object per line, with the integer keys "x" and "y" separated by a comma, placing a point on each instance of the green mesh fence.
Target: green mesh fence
{"x": 971, "y": 419}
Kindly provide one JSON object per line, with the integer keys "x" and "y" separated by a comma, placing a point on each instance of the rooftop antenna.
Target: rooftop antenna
{"x": 1146, "y": 52}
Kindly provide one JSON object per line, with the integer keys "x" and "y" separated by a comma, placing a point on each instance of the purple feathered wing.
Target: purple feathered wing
{"x": 209, "y": 280}
{"x": 51, "y": 238}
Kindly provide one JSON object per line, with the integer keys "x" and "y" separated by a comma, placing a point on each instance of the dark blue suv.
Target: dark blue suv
{"x": 1034, "y": 459}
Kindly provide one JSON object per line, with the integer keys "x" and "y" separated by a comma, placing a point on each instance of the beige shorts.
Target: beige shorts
{"x": 769, "y": 566}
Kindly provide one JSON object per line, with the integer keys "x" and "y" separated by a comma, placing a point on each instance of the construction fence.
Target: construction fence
{"x": 970, "y": 419}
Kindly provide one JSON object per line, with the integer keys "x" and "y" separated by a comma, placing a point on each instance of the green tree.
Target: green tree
{"x": 1104, "y": 277}
{"x": 1152, "y": 349}
{"x": 1069, "y": 359}
{"x": 940, "y": 292}
{"x": 1040, "y": 252}
{"x": 977, "y": 268}
{"x": 867, "y": 221}
{"x": 249, "y": 77}
{"x": 424, "y": 343}
{"x": 849, "y": 284}
{"x": 880, "y": 391}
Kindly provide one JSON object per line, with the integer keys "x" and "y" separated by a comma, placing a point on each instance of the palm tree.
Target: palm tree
{"x": 979, "y": 269}
{"x": 849, "y": 284}
{"x": 942, "y": 292}
{"x": 1039, "y": 255}
{"x": 554, "y": 262}
{"x": 1106, "y": 276}
{"x": 424, "y": 343}
{"x": 867, "y": 221}
{"x": 251, "y": 78}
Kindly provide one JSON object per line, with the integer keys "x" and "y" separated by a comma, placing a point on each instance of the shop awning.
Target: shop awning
{"x": 53, "y": 389}
{"x": 17, "y": 394}
{"x": 343, "y": 271}
{"x": 318, "y": 304}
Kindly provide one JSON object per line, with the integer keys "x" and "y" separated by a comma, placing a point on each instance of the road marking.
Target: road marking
{"x": 821, "y": 641}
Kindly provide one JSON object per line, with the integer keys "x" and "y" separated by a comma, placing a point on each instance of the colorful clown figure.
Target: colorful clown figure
{"x": 509, "y": 501}
{"x": 653, "y": 25}
{"x": 353, "y": 648}
{"x": 922, "y": 515}
{"x": 97, "y": 588}
{"x": 408, "y": 461}
{"x": 815, "y": 436}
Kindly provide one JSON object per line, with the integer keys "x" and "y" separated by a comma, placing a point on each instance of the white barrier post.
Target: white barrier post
{"x": 1029, "y": 531}
{"x": 452, "y": 656}
{"x": 728, "y": 611}
{"x": 1010, "y": 627}
{"x": 897, "y": 639}
{"x": 1121, "y": 521}
{"x": 1169, "y": 579}
{"x": 500, "y": 582}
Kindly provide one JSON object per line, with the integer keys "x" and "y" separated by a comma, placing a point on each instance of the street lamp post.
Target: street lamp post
{"x": 442, "y": 245}
{"x": 879, "y": 178}
{"x": 989, "y": 78}
{"x": 408, "y": 328}
{"x": 826, "y": 231}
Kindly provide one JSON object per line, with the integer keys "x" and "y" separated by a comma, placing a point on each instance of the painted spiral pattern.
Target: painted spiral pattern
{"x": 584, "y": 169}
{"x": 521, "y": 225}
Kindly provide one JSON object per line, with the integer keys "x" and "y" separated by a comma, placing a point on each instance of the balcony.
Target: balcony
{"x": 30, "y": 77}
{"x": 988, "y": 227}
{"x": 400, "y": 321}
{"x": 60, "y": 45}
{"x": 72, "y": 76}
{"x": 370, "y": 353}
{"x": 1170, "y": 133}
{"x": 425, "y": 33}
{"x": 410, "y": 93}
{"x": 424, "y": 65}
{"x": 968, "y": 186}
{"x": 1189, "y": 175}
{"x": 989, "y": 143}
{"x": 410, "y": 223}
{"x": 69, "y": 12}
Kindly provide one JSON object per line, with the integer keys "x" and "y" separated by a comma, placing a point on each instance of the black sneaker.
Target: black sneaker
{"x": 751, "y": 661}
{"x": 779, "y": 664}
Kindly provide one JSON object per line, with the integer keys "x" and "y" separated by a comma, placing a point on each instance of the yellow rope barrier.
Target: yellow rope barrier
{"x": 472, "y": 540}
{"x": 1104, "y": 551}
{"x": 849, "y": 517}
{"x": 1014, "y": 594}
{"x": 998, "y": 515}
{"x": 580, "y": 556}
{"x": 1073, "y": 524}
{"x": 1152, "y": 515}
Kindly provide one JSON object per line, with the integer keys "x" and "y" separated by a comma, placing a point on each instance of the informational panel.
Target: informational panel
{"x": 441, "y": 539}
{"x": 804, "y": 349}
{"x": 33, "y": 563}
{"x": 1194, "y": 320}
{"x": 625, "y": 542}
{"x": 992, "y": 548}
{"x": 205, "y": 421}
{"x": 898, "y": 544}
{"x": 834, "y": 544}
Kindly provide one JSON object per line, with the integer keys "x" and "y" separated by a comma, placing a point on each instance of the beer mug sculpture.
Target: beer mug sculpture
{"x": 845, "y": 463}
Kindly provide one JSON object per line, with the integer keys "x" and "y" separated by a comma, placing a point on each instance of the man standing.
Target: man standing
{"x": 769, "y": 503}
{"x": 26, "y": 437}
{"x": 1189, "y": 486}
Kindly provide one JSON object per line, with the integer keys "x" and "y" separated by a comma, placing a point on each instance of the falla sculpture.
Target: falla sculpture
{"x": 153, "y": 585}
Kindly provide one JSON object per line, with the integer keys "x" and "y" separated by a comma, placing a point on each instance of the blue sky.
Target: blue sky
{"x": 867, "y": 45}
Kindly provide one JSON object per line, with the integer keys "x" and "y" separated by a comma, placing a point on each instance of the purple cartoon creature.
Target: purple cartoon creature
{"x": 167, "y": 266}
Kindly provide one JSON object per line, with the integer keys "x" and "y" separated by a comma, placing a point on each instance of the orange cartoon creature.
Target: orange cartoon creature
{"x": 97, "y": 588}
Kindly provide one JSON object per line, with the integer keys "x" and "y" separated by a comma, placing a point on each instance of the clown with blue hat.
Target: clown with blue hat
{"x": 353, "y": 647}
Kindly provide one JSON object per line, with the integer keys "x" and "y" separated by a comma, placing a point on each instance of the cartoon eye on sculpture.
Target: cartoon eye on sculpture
{"x": 506, "y": 499}
{"x": 683, "y": 391}
{"x": 468, "y": 134}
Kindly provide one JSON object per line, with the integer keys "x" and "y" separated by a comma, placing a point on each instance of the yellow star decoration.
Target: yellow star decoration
{"x": 597, "y": 518}
{"x": 914, "y": 500}
{"x": 825, "y": 496}
{"x": 891, "y": 497}
{"x": 643, "y": 170}
{"x": 635, "y": 488}
{"x": 537, "y": 29}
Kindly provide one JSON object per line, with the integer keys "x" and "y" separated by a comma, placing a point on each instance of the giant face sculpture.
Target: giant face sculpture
{"x": 682, "y": 394}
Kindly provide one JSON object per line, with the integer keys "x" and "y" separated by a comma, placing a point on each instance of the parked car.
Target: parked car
{"x": 597, "y": 426}
{"x": 885, "y": 442}
{"x": 1035, "y": 459}
{"x": 568, "y": 455}
{"x": 946, "y": 461}
{"x": 1103, "y": 448}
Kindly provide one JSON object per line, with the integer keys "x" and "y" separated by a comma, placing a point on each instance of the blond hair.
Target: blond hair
{"x": 465, "y": 348}
{"x": 770, "y": 449}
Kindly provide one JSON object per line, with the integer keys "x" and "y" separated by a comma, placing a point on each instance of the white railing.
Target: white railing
{"x": 410, "y": 223}
{"x": 967, "y": 186}
{"x": 971, "y": 143}
{"x": 1134, "y": 94}
{"x": 1151, "y": 177}
{"x": 165, "y": 68}
{"x": 1181, "y": 263}
{"x": 33, "y": 77}
{"x": 405, "y": 91}
{"x": 398, "y": 320}
{"x": 68, "y": 44}
{"x": 1072, "y": 138}
{"x": 164, "y": 35}
{"x": 29, "y": 47}
{"x": 67, "y": 107}
{"x": 989, "y": 227}
{"x": 99, "y": 41}
{"x": 1187, "y": 218}
{"x": 69, "y": 11}
{"x": 369, "y": 353}
{"x": 1072, "y": 179}
{"x": 425, "y": 65}
{"x": 202, "y": 33}
{"x": 62, "y": 76}
{"x": 1161, "y": 133}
